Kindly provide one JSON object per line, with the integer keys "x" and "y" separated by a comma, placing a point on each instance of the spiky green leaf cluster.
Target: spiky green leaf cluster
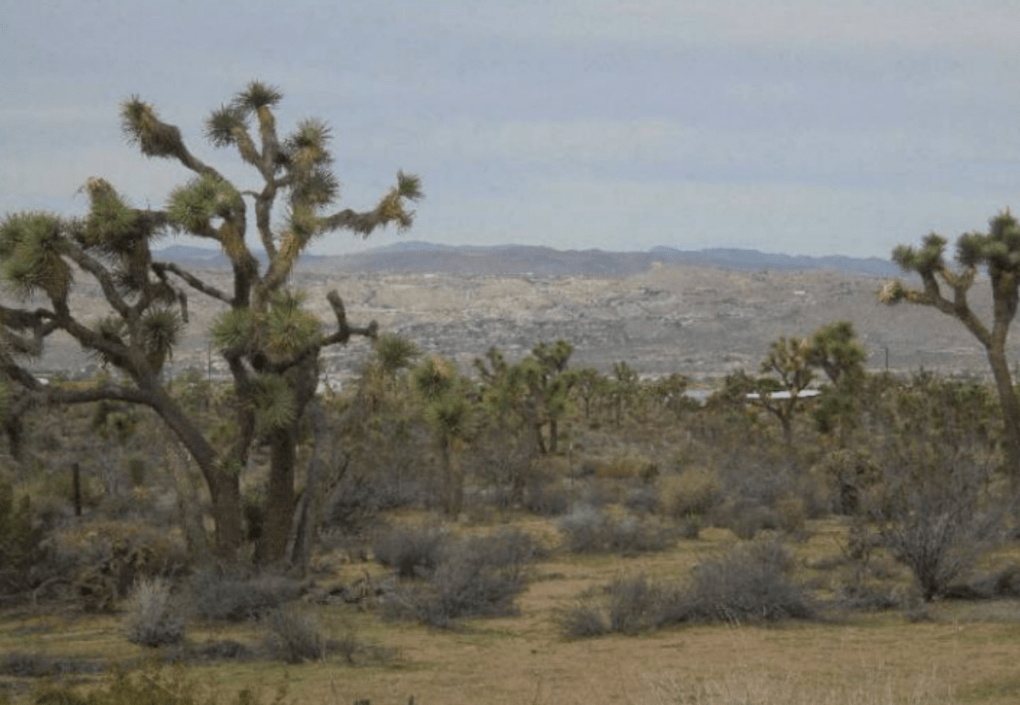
{"x": 233, "y": 330}
{"x": 193, "y": 206}
{"x": 111, "y": 329}
{"x": 394, "y": 352}
{"x": 291, "y": 328}
{"x": 317, "y": 189}
{"x": 308, "y": 159}
{"x": 161, "y": 329}
{"x": 274, "y": 403}
{"x": 226, "y": 126}
{"x": 433, "y": 379}
{"x": 257, "y": 95}
{"x": 110, "y": 219}
{"x": 452, "y": 414}
{"x": 30, "y": 255}
{"x": 308, "y": 146}
{"x": 143, "y": 128}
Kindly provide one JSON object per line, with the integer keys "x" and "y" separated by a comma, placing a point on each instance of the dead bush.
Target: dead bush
{"x": 694, "y": 491}
{"x": 155, "y": 616}
{"x": 583, "y": 621}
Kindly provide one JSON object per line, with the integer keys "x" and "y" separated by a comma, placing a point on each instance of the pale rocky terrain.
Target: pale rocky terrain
{"x": 701, "y": 321}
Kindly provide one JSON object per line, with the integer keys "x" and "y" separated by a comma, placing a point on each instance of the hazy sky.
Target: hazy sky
{"x": 800, "y": 126}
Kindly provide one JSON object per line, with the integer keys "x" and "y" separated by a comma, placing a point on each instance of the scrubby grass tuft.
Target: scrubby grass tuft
{"x": 155, "y": 616}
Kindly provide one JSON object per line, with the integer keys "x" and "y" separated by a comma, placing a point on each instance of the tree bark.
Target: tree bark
{"x": 223, "y": 481}
{"x": 1010, "y": 409}
{"x": 279, "y": 496}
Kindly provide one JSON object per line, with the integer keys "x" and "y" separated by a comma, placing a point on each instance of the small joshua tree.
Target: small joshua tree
{"x": 444, "y": 395}
{"x": 269, "y": 339}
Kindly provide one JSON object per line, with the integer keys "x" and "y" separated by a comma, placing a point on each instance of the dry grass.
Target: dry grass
{"x": 963, "y": 655}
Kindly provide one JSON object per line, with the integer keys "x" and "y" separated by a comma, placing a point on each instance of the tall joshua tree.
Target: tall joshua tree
{"x": 269, "y": 340}
{"x": 946, "y": 288}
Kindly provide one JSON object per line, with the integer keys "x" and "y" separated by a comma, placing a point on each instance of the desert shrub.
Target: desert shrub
{"x": 154, "y": 616}
{"x": 634, "y": 604}
{"x": 791, "y": 514}
{"x": 476, "y": 577}
{"x": 293, "y": 636}
{"x": 745, "y": 517}
{"x": 155, "y": 685}
{"x": 935, "y": 498}
{"x": 590, "y": 530}
{"x": 21, "y": 543}
{"x": 545, "y": 496}
{"x": 222, "y": 650}
{"x": 235, "y": 598}
{"x": 643, "y": 499}
{"x": 690, "y": 527}
{"x": 939, "y": 546}
{"x": 623, "y": 468}
{"x": 356, "y": 501}
{"x": 937, "y": 516}
{"x": 749, "y": 584}
{"x": 583, "y": 621}
{"x": 411, "y": 550}
{"x": 21, "y": 664}
{"x": 100, "y": 561}
{"x": 695, "y": 491}
{"x": 864, "y": 597}
{"x": 1000, "y": 583}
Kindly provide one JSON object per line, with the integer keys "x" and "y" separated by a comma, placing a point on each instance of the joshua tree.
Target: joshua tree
{"x": 834, "y": 349}
{"x": 946, "y": 288}
{"x": 269, "y": 340}
{"x": 787, "y": 370}
{"x": 445, "y": 397}
{"x": 536, "y": 389}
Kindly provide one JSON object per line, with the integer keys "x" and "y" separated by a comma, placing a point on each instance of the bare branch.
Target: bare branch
{"x": 160, "y": 268}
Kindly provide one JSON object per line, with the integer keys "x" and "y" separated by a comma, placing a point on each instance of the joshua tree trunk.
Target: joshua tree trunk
{"x": 453, "y": 476}
{"x": 1010, "y": 409}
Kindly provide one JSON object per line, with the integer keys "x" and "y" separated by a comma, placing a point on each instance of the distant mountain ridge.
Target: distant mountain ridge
{"x": 416, "y": 256}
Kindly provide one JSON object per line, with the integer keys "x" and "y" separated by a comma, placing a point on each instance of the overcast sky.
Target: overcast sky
{"x": 800, "y": 126}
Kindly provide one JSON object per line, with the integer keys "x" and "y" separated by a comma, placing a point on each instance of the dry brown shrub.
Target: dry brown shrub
{"x": 692, "y": 493}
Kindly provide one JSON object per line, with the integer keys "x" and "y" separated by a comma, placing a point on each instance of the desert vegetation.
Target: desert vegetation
{"x": 513, "y": 530}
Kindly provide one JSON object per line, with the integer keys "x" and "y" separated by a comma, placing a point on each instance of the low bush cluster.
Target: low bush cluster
{"x": 474, "y": 577}
{"x": 749, "y": 584}
{"x": 218, "y": 597}
{"x": 590, "y": 530}
{"x": 410, "y": 550}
